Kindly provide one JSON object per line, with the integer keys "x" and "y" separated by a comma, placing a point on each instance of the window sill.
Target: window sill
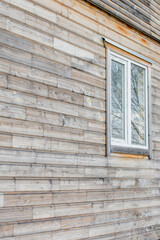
{"x": 130, "y": 151}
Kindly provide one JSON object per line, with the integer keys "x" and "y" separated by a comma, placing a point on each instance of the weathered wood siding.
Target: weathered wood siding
{"x": 55, "y": 182}
{"x": 140, "y": 14}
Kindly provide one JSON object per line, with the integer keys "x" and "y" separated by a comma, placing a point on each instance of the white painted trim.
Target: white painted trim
{"x": 124, "y": 85}
{"x": 129, "y": 103}
{"x": 149, "y": 114}
{"x": 127, "y": 62}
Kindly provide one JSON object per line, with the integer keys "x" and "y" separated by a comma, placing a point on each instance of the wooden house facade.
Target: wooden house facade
{"x": 61, "y": 176}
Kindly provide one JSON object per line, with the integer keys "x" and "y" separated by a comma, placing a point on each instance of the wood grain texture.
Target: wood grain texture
{"x": 55, "y": 181}
{"x": 141, "y": 15}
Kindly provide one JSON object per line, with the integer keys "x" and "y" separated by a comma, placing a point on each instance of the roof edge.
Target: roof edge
{"x": 101, "y": 5}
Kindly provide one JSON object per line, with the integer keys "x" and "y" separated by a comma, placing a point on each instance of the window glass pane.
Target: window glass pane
{"x": 138, "y": 105}
{"x": 117, "y": 100}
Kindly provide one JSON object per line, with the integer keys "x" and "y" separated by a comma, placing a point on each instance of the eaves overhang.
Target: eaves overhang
{"x": 108, "y": 7}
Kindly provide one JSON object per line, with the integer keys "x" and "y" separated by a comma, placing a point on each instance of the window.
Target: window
{"x": 128, "y": 104}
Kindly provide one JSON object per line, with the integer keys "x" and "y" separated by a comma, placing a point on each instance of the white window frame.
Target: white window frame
{"x": 124, "y": 146}
{"x": 127, "y": 81}
{"x": 117, "y": 58}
